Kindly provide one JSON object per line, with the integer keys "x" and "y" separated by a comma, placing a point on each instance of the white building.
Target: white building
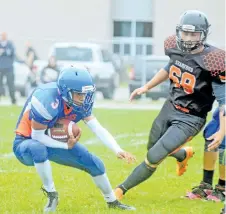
{"x": 129, "y": 27}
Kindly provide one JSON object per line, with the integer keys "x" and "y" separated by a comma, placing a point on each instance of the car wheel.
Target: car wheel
{"x": 108, "y": 93}
{"x": 155, "y": 98}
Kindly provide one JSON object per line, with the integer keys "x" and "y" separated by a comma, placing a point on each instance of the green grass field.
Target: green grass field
{"x": 20, "y": 185}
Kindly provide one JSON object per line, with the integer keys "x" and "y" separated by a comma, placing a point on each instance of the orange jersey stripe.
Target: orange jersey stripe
{"x": 24, "y": 127}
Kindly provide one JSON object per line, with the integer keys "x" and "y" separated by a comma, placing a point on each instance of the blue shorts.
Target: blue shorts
{"x": 212, "y": 127}
{"x": 29, "y": 151}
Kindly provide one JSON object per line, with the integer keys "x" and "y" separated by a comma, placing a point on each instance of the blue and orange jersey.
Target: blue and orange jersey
{"x": 46, "y": 106}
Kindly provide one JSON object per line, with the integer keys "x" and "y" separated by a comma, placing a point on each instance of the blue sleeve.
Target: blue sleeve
{"x": 43, "y": 107}
{"x": 219, "y": 92}
{"x": 216, "y": 114}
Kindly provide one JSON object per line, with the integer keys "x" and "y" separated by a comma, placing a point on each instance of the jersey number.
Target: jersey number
{"x": 185, "y": 80}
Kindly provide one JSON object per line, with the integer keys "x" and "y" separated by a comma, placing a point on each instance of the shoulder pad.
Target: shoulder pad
{"x": 46, "y": 103}
{"x": 170, "y": 43}
{"x": 214, "y": 61}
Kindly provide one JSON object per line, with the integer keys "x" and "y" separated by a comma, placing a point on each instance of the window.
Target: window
{"x": 73, "y": 54}
{"x": 144, "y": 29}
{"x": 122, "y": 29}
{"x": 139, "y": 49}
{"x": 148, "y": 49}
{"x": 106, "y": 56}
{"x": 116, "y": 48}
{"x": 127, "y": 49}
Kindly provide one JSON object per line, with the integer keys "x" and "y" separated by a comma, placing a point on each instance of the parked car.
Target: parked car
{"x": 21, "y": 72}
{"x": 92, "y": 56}
{"x": 143, "y": 70}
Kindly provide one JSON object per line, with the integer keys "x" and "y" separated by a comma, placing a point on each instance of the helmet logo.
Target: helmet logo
{"x": 188, "y": 28}
{"x": 87, "y": 88}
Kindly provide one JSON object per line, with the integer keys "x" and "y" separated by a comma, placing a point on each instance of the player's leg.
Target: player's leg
{"x": 79, "y": 157}
{"x": 174, "y": 137}
{"x": 33, "y": 153}
{"x": 218, "y": 193}
{"x": 159, "y": 126}
{"x": 184, "y": 154}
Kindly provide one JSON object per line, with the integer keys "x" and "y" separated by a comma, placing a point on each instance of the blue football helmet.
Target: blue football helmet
{"x": 75, "y": 81}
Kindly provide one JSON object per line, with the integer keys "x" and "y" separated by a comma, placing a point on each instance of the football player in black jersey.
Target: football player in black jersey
{"x": 196, "y": 71}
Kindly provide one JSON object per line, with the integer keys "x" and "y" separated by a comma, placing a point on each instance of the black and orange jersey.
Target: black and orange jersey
{"x": 191, "y": 76}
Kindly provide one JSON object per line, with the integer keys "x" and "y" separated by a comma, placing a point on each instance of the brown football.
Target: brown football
{"x": 62, "y": 129}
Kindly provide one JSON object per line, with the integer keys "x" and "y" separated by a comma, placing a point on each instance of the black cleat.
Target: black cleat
{"x": 117, "y": 205}
{"x": 52, "y": 201}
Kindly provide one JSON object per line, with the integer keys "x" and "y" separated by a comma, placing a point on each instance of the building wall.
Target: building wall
{"x": 167, "y": 16}
{"x": 133, "y": 11}
{"x": 47, "y": 21}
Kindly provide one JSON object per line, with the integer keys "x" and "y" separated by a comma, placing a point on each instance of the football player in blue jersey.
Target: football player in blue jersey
{"x": 72, "y": 96}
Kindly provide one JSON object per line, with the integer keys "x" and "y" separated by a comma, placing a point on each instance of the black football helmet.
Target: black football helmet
{"x": 192, "y": 21}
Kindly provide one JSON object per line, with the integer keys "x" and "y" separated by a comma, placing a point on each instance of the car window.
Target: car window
{"x": 153, "y": 65}
{"x": 74, "y": 54}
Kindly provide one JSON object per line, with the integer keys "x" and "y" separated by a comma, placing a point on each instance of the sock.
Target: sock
{"x": 103, "y": 183}
{"x": 208, "y": 176}
{"x": 180, "y": 155}
{"x": 139, "y": 175}
{"x": 45, "y": 172}
{"x": 221, "y": 182}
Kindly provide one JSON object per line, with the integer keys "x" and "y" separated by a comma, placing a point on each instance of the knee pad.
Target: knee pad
{"x": 38, "y": 152}
{"x": 222, "y": 157}
{"x": 153, "y": 158}
{"x": 96, "y": 167}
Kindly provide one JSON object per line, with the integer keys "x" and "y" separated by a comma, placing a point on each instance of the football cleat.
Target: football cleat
{"x": 119, "y": 193}
{"x": 52, "y": 201}
{"x": 182, "y": 166}
{"x": 218, "y": 194}
{"x": 200, "y": 192}
{"x": 117, "y": 205}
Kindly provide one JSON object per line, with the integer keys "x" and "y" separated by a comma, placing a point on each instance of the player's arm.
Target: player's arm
{"x": 40, "y": 118}
{"x": 106, "y": 138}
{"x": 160, "y": 77}
{"x": 219, "y": 92}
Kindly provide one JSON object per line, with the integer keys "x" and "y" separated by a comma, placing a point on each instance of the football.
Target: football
{"x": 62, "y": 129}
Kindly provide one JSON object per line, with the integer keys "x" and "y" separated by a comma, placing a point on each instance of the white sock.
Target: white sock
{"x": 45, "y": 172}
{"x": 103, "y": 183}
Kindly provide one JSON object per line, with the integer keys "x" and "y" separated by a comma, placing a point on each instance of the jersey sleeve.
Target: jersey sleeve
{"x": 167, "y": 67}
{"x": 214, "y": 62}
{"x": 44, "y": 107}
{"x": 219, "y": 92}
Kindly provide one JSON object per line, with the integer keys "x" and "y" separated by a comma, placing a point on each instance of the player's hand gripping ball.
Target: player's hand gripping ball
{"x": 65, "y": 131}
